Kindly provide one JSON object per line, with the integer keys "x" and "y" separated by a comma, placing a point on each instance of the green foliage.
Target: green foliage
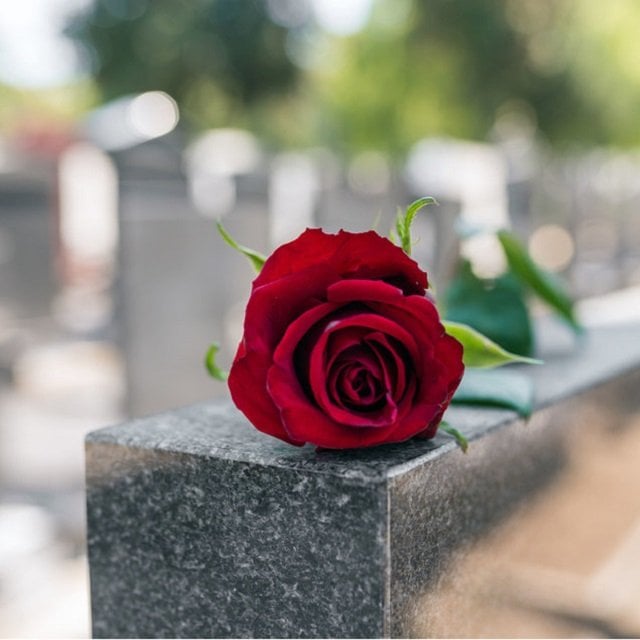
{"x": 496, "y": 389}
{"x": 256, "y": 259}
{"x": 496, "y": 308}
{"x": 216, "y": 57}
{"x": 404, "y": 221}
{"x": 442, "y": 67}
{"x": 541, "y": 282}
{"x": 479, "y": 351}
{"x": 450, "y": 67}
{"x": 210, "y": 363}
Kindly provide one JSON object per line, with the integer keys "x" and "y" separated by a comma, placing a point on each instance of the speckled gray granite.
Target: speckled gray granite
{"x": 200, "y": 526}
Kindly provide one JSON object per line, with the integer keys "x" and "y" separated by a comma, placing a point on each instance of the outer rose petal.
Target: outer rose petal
{"x": 352, "y": 255}
{"x": 274, "y": 306}
{"x": 270, "y": 310}
{"x": 450, "y": 355}
{"x": 247, "y": 384}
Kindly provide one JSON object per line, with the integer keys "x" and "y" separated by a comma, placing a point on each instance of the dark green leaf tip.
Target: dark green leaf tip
{"x": 210, "y": 363}
{"x": 461, "y": 441}
{"x": 507, "y": 389}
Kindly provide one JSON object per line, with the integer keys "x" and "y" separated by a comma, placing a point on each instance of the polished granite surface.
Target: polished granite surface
{"x": 200, "y": 526}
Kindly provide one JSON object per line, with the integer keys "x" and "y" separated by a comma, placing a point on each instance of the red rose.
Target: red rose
{"x": 341, "y": 346}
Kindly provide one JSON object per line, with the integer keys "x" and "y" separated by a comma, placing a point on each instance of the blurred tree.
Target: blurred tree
{"x": 419, "y": 68}
{"x": 215, "y": 57}
{"x": 452, "y": 67}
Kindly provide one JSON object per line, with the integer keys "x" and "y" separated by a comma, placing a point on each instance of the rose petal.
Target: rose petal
{"x": 322, "y": 359}
{"x": 353, "y": 255}
{"x": 419, "y": 316}
{"x": 265, "y": 323}
{"x": 303, "y": 420}
{"x": 288, "y": 316}
{"x": 320, "y": 380}
{"x": 404, "y": 386}
{"x": 361, "y": 321}
{"x": 273, "y": 307}
{"x": 392, "y": 365}
{"x": 346, "y": 291}
{"x": 332, "y": 399}
{"x": 250, "y": 373}
{"x": 350, "y": 385}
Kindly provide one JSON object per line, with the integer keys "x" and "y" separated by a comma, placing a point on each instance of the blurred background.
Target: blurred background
{"x": 128, "y": 126}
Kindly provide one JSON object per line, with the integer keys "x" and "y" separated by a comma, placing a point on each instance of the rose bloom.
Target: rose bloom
{"x": 342, "y": 347}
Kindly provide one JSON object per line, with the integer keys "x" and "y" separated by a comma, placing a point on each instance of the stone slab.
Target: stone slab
{"x": 200, "y": 526}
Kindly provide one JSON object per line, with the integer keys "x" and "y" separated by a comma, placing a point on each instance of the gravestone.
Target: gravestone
{"x": 200, "y": 526}
{"x": 179, "y": 282}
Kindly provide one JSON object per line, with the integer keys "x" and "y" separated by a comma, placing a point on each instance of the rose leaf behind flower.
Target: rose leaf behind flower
{"x": 496, "y": 307}
{"x": 480, "y": 351}
{"x": 509, "y": 389}
{"x": 541, "y": 282}
{"x": 521, "y": 268}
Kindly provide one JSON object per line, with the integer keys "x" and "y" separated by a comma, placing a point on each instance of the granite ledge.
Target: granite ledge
{"x": 218, "y": 430}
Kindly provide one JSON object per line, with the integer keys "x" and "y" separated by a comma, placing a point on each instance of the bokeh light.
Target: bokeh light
{"x": 153, "y": 114}
{"x": 552, "y": 247}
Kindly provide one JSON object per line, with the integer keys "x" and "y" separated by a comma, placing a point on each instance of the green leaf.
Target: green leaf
{"x": 496, "y": 389}
{"x": 463, "y": 443}
{"x": 404, "y": 221}
{"x": 256, "y": 258}
{"x": 479, "y": 351}
{"x": 210, "y": 363}
{"x": 496, "y": 308}
{"x": 541, "y": 282}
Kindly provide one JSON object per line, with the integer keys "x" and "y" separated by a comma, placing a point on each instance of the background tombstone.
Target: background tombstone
{"x": 179, "y": 282}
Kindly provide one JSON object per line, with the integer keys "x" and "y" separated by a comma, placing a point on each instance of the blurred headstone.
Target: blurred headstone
{"x": 179, "y": 284}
